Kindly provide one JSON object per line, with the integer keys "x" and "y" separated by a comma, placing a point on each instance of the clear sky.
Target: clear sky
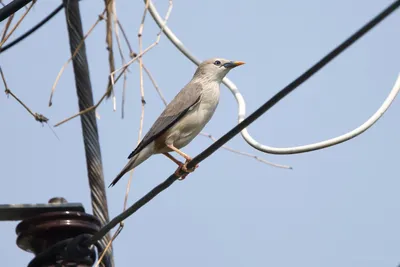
{"x": 337, "y": 207}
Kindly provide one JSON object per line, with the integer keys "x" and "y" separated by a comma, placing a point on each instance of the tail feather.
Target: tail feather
{"x": 119, "y": 176}
{"x": 133, "y": 162}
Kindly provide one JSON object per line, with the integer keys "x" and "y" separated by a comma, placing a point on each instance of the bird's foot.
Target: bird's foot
{"x": 183, "y": 167}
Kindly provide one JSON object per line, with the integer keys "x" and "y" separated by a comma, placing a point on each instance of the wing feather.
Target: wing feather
{"x": 175, "y": 110}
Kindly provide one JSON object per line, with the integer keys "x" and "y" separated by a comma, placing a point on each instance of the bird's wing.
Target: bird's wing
{"x": 175, "y": 110}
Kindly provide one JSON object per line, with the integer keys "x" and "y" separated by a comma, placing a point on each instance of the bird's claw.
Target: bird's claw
{"x": 183, "y": 167}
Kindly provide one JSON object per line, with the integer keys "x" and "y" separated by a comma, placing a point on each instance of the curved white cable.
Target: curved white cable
{"x": 242, "y": 105}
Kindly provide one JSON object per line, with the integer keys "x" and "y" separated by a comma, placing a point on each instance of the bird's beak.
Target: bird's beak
{"x": 233, "y": 64}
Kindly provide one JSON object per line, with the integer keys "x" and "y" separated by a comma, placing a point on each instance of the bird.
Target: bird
{"x": 184, "y": 117}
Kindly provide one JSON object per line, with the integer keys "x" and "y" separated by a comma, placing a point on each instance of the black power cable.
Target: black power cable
{"x": 238, "y": 128}
{"x": 33, "y": 29}
{"x": 12, "y": 7}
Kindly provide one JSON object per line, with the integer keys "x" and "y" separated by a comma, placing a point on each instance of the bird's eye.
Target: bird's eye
{"x": 217, "y": 62}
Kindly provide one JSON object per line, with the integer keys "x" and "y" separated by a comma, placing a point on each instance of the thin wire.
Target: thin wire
{"x": 33, "y": 29}
{"x": 236, "y": 130}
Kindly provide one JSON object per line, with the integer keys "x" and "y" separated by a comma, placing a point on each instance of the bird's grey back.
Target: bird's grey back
{"x": 176, "y": 109}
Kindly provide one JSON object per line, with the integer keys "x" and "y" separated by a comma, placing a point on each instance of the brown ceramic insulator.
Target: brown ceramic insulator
{"x": 38, "y": 233}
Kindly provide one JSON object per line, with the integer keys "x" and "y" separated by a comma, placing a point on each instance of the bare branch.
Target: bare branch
{"x": 123, "y": 96}
{"x": 72, "y": 57}
{"x": 152, "y": 45}
{"x": 140, "y": 33}
{"x": 121, "y": 69}
{"x": 160, "y": 94}
{"x": 109, "y": 91}
{"x": 6, "y": 27}
{"x": 116, "y": 23}
{"x": 83, "y": 111}
{"x": 109, "y": 41}
{"x": 131, "y": 53}
{"x": 38, "y": 117}
{"x": 134, "y": 54}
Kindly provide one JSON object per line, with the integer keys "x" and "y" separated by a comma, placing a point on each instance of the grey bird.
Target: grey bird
{"x": 184, "y": 117}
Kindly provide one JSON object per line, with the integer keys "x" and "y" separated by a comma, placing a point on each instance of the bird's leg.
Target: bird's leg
{"x": 184, "y": 166}
{"x": 188, "y": 158}
{"x": 180, "y": 164}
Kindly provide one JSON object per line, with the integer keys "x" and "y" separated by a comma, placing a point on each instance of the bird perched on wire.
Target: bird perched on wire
{"x": 184, "y": 117}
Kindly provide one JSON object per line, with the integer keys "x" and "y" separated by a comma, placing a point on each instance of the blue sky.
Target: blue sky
{"x": 337, "y": 207}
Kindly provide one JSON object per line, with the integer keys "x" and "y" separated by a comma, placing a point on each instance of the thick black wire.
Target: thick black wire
{"x": 88, "y": 120}
{"x": 12, "y": 7}
{"x": 237, "y": 129}
{"x": 49, "y": 254}
{"x": 33, "y": 29}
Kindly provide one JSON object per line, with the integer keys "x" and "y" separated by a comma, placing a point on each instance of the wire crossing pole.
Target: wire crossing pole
{"x": 88, "y": 120}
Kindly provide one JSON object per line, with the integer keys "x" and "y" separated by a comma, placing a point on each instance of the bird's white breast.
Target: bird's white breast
{"x": 197, "y": 117}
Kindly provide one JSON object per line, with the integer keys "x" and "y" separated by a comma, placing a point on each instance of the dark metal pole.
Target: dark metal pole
{"x": 88, "y": 120}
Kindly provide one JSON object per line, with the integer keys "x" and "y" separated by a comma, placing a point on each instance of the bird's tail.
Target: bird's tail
{"x": 133, "y": 162}
{"x": 126, "y": 169}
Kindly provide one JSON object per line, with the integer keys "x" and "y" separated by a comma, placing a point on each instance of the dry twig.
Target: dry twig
{"x": 116, "y": 23}
{"x": 109, "y": 41}
{"x": 121, "y": 69}
{"x": 134, "y": 54}
{"x": 85, "y": 110}
{"x": 72, "y": 57}
{"x": 150, "y": 46}
{"x": 6, "y": 27}
{"x": 140, "y": 34}
{"x": 247, "y": 154}
{"x": 131, "y": 53}
{"x": 38, "y": 117}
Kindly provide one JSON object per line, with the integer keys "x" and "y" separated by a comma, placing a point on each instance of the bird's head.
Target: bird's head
{"x": 215, "y": 69}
